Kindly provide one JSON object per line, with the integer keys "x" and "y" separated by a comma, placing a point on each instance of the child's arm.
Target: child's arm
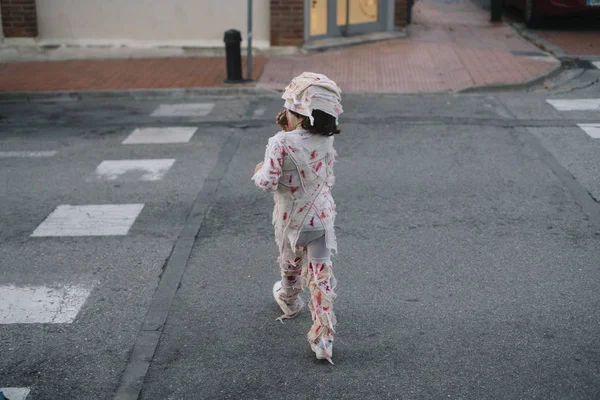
{"x": 267, "y": 174}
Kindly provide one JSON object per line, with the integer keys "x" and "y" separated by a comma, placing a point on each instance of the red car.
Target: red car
{"x": 535, "y": 10}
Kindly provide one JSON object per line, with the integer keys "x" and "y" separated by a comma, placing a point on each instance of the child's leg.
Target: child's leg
{"x": 321, "y": 283}
{"x": 290, "y": 262}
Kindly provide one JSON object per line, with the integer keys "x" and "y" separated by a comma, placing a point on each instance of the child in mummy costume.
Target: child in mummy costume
{"x": 298, "y": 168}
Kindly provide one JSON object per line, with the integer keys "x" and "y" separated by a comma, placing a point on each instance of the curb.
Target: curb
{"x": 497, "y": 87}
{"x": 549, "y": 47}
{"x": 540, "y": 43}
{"x": 134, "y": 94}
{"x": 536, "y": 40}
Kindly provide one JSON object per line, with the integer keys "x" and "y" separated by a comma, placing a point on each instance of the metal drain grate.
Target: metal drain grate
{"x": 528, "y": 53}
{"x": 577, "y": 63}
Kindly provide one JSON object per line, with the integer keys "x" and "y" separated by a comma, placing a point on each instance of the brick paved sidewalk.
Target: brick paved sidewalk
{"x": 118, "y": 74}
{"x": 452, "y": 46}
{"x": 574, "y": 43}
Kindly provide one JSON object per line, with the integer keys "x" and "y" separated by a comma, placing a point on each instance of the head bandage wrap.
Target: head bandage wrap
{"x": 310, "y": 91}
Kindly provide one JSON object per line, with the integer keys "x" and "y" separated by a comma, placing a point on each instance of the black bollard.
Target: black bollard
{"x": 496, "y": 11}
{"x": 233, "y": 52}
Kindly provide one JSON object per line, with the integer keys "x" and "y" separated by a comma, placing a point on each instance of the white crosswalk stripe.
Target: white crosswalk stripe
{"x": 575, "y": 104}
{"x": 41, "y": 304}
{"x": 15, "y": 393}
{"x": 593, "y": 129}
{"x": 259, "y": 112}
{"x": 596, "y": 64}
{"x": 131, "y": 170}
{"x": 160, "y": 135}
{"x": 89, "y": 220}
{"x": 183, "y": 110}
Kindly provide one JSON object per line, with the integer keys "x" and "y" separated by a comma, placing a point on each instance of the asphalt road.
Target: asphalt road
{"x": 468, "y": 267}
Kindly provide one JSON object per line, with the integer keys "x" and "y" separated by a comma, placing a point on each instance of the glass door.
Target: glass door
{"x": 345, "y": 17}
{"x": 318, "y": 17}
{"x": 360, "y": 16}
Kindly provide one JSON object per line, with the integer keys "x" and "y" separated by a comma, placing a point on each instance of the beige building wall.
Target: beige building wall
{"x": 149, "y": 23}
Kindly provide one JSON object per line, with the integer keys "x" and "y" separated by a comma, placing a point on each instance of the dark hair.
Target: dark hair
{"x": 324, "y": 123}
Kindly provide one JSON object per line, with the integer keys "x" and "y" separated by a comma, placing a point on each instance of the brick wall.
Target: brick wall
{"x": 19, "y": 18}
{"x": 287, "y": 22}
{"x": 401, "y": 13}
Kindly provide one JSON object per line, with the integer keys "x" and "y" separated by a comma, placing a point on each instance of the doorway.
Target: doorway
{"x": 330, "y": 18}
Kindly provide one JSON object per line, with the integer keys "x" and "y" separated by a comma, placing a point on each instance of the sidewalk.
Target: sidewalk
{"x": 574, "y": 43}
{"x": 573, "y": 37}
{"x": 165, "y": 73}
{"x": 452, "y": 46}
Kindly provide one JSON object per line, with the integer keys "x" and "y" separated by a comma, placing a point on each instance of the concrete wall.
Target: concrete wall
{"x": 196, "y": 23}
